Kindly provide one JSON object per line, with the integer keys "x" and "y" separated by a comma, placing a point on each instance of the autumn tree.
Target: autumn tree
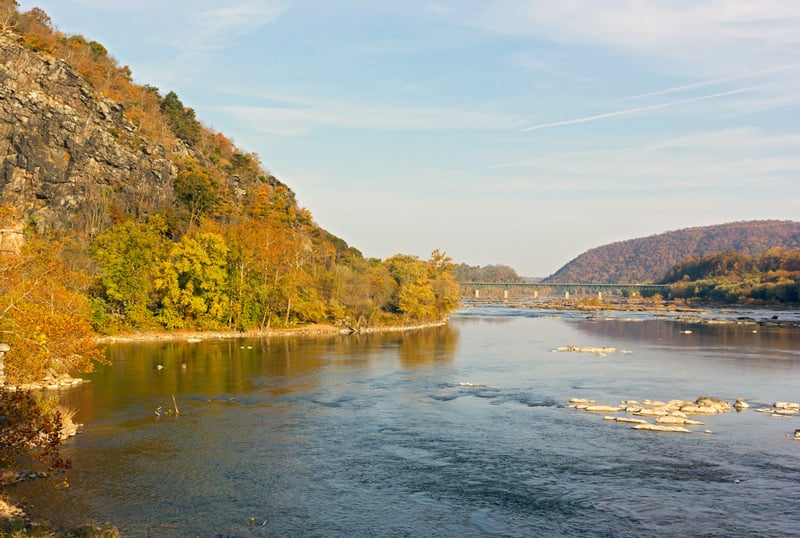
{"x": 30, "y": 432}
{"x": 197, "y": 190}
{"x": 8, "y": 15}
{"x": 44, "y": 313}
{"x": 37, "y": 30}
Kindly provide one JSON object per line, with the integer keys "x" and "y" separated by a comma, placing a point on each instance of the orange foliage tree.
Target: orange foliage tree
{"x": 44, "y": 314}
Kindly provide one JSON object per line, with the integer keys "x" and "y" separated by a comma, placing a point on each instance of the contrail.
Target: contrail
{"x": 713, "y": 82}
{"x": 635, "y": 110}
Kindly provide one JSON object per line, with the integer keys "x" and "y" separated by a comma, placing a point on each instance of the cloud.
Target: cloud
{"x": 713, "y": 36}
{"x": 299, "y": 116}
{"x": 636, "y": 110}
{"x": 715, "y": 81}
{"x": 213, "y": 28}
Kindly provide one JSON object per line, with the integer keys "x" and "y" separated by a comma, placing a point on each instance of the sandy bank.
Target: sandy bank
{"x": 306, "y": 330}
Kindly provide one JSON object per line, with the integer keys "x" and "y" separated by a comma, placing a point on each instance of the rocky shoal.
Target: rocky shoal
{"x": 673, "y": 415}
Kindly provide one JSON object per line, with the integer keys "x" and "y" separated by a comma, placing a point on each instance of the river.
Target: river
{"x": 459, "y": 430}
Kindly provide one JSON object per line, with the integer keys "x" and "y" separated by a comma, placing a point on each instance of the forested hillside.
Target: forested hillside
{"x": 772, "y": 277}
{"x": 120, "y": 211}
{"x": 649, "y": 259}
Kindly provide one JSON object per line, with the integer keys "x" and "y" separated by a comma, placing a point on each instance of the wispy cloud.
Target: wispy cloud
{"x": 710, "y": 37}
{"x": 212, "y": 28}
{"x": 298, "y": 116}
{"x": 714, "y": 82}
{"x": 636, "y": 110}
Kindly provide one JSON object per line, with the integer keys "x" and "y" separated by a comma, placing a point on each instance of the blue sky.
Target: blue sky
{"x": 504, "y": 131}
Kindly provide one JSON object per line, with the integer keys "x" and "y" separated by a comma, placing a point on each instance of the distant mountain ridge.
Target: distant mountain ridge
{"x": 648, "y": 259}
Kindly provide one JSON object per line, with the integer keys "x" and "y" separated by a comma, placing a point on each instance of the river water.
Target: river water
{"x": 455, "y": 431}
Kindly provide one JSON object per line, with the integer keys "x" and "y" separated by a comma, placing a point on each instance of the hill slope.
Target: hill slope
{"x": 648, "y": 259}
{"x": 144, "y": 218}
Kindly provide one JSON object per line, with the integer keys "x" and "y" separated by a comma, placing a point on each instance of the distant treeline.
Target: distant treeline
{"x": 772, "y": 277}
{"x": 487, "y": 273}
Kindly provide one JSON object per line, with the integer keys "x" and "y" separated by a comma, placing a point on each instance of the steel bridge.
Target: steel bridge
{"x": 574, "y": 287}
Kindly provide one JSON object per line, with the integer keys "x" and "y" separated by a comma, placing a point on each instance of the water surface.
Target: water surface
{"x": 454, "y": 431}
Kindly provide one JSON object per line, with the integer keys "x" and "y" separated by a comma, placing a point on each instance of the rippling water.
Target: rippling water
{"x": 455, "y": 431}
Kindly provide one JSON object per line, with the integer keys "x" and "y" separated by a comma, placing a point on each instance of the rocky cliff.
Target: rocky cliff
{"x": 67, "y": 154}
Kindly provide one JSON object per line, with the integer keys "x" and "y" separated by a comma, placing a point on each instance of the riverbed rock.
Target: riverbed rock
{"x": 630, "y": 420}
{"x": 672, "y": 419}
{"x": 603, "y": 408}
{"x": 740, "y": 404}
{"x": 709, "y": 401}
{"x": 586, "y": 349}
{"x": 661, "y": 428}
{"x": 787, "y": 405}
{"x": 651, "y": 412}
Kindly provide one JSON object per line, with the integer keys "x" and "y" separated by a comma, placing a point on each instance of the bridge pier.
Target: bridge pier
{"x": 566, "y": 295}
{"x": 599, "y": 295}
{"x": 505, "y": 294}
{"x": 477, "y": 293}
{"x": 535, "y": 294}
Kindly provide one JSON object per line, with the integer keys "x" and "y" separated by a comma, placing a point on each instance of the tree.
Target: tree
{"x": 196, "y": 188}
{"x": 8, "y": 15}
{"x": 128, "y": 254}
{"x": 192, "y": 283}
{"x": 44, "y": 313}
{"x": 181, "y": 119}
{"x": 30, "y": 428}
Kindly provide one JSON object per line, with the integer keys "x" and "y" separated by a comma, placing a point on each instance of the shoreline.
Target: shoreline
{"x": 192, "y": 336}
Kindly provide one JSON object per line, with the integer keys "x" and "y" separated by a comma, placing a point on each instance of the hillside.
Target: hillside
{"x": 119, "y": 211}
{"x": 650, "y": 258}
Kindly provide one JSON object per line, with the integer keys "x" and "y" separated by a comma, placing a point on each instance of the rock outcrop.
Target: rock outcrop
{"x": 66, "y": 151}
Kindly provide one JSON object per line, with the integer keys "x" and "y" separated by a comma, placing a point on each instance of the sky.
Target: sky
{"x": 506, "y": 132}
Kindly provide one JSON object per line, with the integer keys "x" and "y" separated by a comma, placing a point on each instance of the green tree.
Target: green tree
{"x": 192, "y": 283}
{"x": 181, "y": 119}
{"x": 128, "y": 254}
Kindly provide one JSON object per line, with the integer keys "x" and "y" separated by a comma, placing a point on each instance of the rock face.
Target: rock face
{"x": 65, "y": 151}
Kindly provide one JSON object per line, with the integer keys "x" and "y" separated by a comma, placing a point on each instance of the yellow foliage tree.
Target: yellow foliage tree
{"x": 44, "y": 316}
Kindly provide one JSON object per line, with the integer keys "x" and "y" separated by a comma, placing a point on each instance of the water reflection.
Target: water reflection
{"x": 747, "y": 339}
{"x": 149, "y": 373}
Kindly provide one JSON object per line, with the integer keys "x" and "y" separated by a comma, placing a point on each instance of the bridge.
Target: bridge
{"x": 575, "y": 287}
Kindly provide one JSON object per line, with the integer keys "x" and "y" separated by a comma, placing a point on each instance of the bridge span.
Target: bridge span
{"x": 568, "y": 288}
